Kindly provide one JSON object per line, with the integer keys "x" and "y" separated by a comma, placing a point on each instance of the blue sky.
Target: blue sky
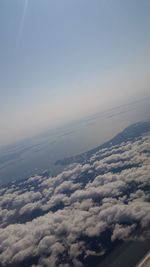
{"x": 65, "y": 59}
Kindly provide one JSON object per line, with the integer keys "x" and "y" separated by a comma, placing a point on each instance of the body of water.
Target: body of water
{"x": 36, "y": 154}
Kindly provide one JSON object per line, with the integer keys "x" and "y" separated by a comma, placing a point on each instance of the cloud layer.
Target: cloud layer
{"x": 64, "y": 220}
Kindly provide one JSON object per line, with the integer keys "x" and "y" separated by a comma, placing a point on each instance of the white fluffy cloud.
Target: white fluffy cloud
{"x": 51, "y": 219}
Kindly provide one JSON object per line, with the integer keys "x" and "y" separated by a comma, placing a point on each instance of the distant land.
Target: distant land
{"x": 130, "y": 133}
{"x": 110, "y": 185}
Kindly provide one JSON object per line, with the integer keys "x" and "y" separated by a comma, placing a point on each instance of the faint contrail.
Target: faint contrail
{"x": 22, "y": 21}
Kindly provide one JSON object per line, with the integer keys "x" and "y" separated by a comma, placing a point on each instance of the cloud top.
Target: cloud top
{"x": 67, "y": 219}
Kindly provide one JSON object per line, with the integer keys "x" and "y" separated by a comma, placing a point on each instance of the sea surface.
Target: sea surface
{"x": 34, "y": 155}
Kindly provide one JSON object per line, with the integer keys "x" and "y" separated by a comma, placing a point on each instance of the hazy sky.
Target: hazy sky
{"x": 64, "y": 59}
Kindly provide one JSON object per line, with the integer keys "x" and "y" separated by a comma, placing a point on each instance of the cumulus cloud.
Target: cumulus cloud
{"x": 54, "y": 221}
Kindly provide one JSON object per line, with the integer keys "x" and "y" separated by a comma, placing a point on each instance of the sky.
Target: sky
{"x": 61, "y": 60}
